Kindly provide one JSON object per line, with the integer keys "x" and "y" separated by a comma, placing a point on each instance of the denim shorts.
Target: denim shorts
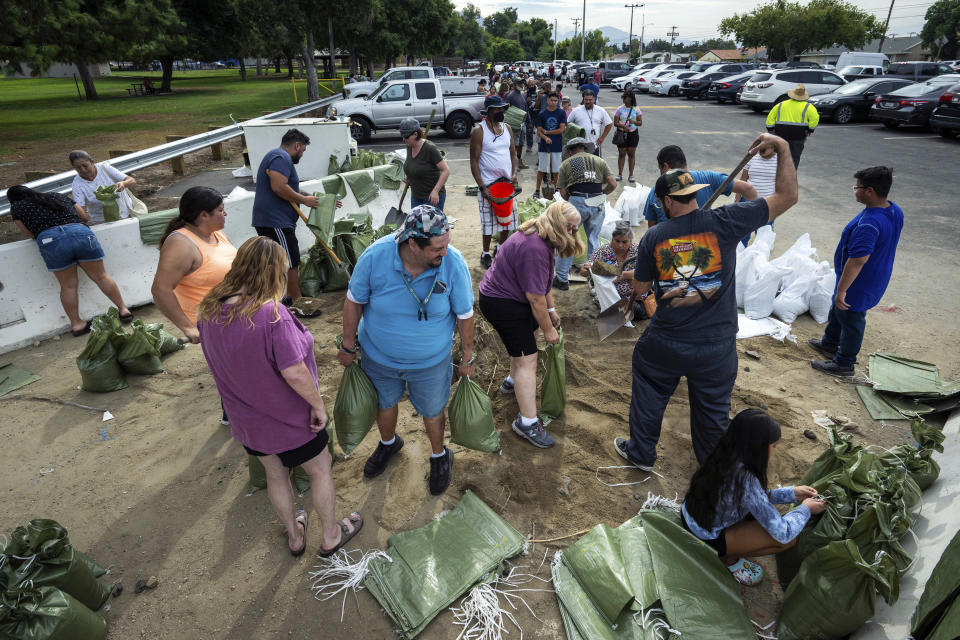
{"x": 429, "y": 388}
{"x": 64, "y": 246}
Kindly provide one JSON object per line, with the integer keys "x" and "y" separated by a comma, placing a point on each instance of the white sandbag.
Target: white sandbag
{"x": 746, "y": 272}
{"x": 764, "y": 241}
{"x": 759, "y": 295}
{"x": 624, "y": 202}
{"x": 747, "y": 328}
{"x": 792, "y": 301}
{"x": 820, "y": 294}
{"x": 631, "y": 202}
{"x": 604, "y": 289}
{"x": 610, "y": 218}
{"x": 798, "y": 259}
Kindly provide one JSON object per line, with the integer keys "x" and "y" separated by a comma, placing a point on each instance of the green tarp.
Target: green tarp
{"x": 940, "y": 595}
{"x": 362, "y": 186}
{"x": 907, "y": 377}
{"x": 432, "y": 566}
{"x": 13, "y": 377}
{"x": 887, "y": 406}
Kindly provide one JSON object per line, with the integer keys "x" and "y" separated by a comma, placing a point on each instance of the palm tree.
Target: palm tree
{"x": 700, "y": 259}
{"x": 669, "y": 261}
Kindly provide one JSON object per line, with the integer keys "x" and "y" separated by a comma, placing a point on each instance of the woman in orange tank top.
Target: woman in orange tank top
{"x": 195, "y": 255}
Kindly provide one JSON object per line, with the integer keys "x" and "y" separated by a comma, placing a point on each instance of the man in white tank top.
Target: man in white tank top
{"x": 492, "y": 157}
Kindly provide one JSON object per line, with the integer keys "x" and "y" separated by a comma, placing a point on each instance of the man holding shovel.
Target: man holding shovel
{"x": 689, "y": 261}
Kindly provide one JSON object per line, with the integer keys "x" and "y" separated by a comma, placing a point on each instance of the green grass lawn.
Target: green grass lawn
{"x": 47, "y": 110}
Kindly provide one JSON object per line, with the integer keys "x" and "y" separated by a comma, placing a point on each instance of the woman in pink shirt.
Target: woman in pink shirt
{"x": 262, "y": 360}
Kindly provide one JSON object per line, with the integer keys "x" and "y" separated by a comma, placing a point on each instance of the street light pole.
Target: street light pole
{"x": 630, "y": 37}
{"x": 554, "y": 38}
{"x": 583, "y": 33}
{"x": 643, "y": 25}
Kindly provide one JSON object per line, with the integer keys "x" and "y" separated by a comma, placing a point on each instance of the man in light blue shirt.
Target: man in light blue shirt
{"x": 672, "y": 157}
{"x": 407, "y": 293}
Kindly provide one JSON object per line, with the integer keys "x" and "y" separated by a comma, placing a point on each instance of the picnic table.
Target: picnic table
{"x": 141, "y": 88}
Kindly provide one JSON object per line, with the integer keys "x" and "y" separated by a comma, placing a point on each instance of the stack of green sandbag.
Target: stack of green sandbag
{"x": 111, "y": 352}
{"x": 109, "y": 197}
{"x": 348, "y": 238}
{"x": 852, "y": 551}
{"x": 937, "y": 616}
{"x": 430, "y": 567}
{"x": 515, "y": 116}
{"x": 48, "y": 589}
{"x": 647, "y": 579}
{"x": 529, "y": 209}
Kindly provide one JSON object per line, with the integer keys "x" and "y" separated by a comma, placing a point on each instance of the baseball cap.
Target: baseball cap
{"x": 589, "y": 147}
{"x": 423, "y": 221}
{"x": 493, "y": 102}
{"x": 409, "y": 126}
{"x": 676, "y": 182}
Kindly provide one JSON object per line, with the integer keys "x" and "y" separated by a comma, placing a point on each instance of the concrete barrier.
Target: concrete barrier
{"x": 30, "y": 306}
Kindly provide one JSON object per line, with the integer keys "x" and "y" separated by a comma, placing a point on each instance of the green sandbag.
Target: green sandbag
{"x": 334, "y": 185}
{"x": 355, "y": 409}
{"x": 515, "y": 116}
{"x": 581, "y": 619}
{"x": 596, "y": 563}
{"x": 333, "y": 166}
{"x": 46, "y": 557}
{"x": 362, "y": 186}
{"x": 141, "y": 353}
{"x": 166, "y": 342}
{"x": 95, "y": 568}
{"x": 389, "y": 176}
{"x": 258, "y": 477}
{"x": 321, "y": 217}
{"x": 108, "y": 195}
{"x": 553, "y": 391}
{"x": 152, "y": 225}
{"x": 572, "y": 131}
{"x": 834, "y": 593}
{"x": 471, "y": 418}
{"x": 529, "y": 209}
{"x": 948, "y": 628}
{"x": 820, "y": 530}
{"x": 99, "y": 370}
{"x": 582, "y": 257}
{"x": 47, "y": 613}
{"x": 918, "y": 460}
{"x": 430, "y": 567}
{"x": 941, "y": 592}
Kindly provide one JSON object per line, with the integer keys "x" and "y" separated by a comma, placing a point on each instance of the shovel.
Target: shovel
{"x": 548, "y": 188}
{"x": 725, "y": 183}
{"x": 615, "y": 317}
{"x": 396, "y": 215}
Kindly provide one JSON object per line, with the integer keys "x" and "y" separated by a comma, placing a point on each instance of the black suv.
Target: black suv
{"x": 698, "y": 85}
{"x": 918, "y": 71}
{"x": 613, "y": 69}
{"x": 945, "y": 119}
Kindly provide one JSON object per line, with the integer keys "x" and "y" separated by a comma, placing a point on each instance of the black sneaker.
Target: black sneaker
{"x": 440, "y": 469}
{"x": 224, "y": 420}
{"x": 560, "y": 284}
{"x": 831, "y": 368}
{"x": 817, "y": 345}
{"x": 535, "y": 434}
{"x": 486, "y": 260}
{"x": 506, "y": 387}
{"x": 620, "y": 444}
{"x": 377, "y": 462}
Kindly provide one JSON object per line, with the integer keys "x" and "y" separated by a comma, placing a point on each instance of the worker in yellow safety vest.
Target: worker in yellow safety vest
{"x": 793, "y": 120}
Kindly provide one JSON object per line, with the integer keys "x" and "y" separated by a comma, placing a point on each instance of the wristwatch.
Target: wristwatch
{"x": 353, "y": 351}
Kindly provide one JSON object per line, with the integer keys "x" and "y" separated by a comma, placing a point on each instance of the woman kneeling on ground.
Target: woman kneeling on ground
{"x": 59, "y": 226}
{"x": 729, "y": 507}
{"x": 262, "y": 360}
{"x": 516, "y": 297}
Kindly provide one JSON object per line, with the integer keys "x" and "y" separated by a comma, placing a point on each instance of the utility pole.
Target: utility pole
{"x": 673, "y": 36}
{"x": 885, "y": 25}
{"x": 554, "y": 39}
{"x": 643, "y": 25}
{"x": 576, "y": 22}
{"x": 630, "y": 37}
{"x": 583, "y": 33}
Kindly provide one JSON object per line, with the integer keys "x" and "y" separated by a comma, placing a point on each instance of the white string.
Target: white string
{"x": 480, "y": 612}
{"x": 341, "y": 573}
{"x": 623, "y": 484}
{"x": 659, "y": 502}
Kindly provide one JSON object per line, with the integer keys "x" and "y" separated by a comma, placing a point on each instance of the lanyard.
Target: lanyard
{"x": 421, "y": 304}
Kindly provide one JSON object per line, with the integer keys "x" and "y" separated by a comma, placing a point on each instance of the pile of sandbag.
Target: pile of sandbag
{"x": 48, "y": 589}
{"x": 787, "y": 286}
{"x": 851, "y": 552}
{"x": 632, "y": 202}
{"x": 937, "y": 616}
{"x": 111, "y": 352}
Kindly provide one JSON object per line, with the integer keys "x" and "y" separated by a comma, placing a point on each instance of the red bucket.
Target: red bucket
{"x": 499, "y": 190}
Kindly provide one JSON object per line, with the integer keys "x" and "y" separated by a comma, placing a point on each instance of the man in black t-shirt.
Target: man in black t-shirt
{"x": 689, "y": 263}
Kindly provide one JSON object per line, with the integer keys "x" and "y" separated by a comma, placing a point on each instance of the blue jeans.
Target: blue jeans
{"x": 429, "y": 388}
{"x": 416, "y": 202}
{"x": 844, "y": 333}
{"x": 592, "y": 220}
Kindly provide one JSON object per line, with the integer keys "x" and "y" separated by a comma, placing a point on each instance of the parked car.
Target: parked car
{"x": 848, "y": 58}
{"x": 643, "y": 66}
{"x": 669, "y": 85}
{"x": 696, "y": 86}
{"x": 613, "y": 69}
{"x": 632, "y": 79}
{"x": 361, "y": 89}
{"x": 728, "y": 88}
{"x": 729, "y": 67}
{"x": 946, "y": 116}
{"x": 641, "y": 83}
{"x": 912, "y": 104}
{"x": 855, "y": 71}
{"x": 918, "y": 71}
{"x": 854, "y": 99}
{"x": 699, "y": 67}
{"x": 796, "y": 64}
{"x": 767, "y": 88}
{"x": 454, "y": 98}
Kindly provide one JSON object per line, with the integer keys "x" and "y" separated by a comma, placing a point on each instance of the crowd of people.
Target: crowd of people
{"x": 411, "y": 292}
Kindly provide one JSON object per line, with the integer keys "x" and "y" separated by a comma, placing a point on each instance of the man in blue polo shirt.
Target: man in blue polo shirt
{"x": 277, "y": 199}
{"x": 407, "y": 293}
{"x": 672, "y": 157}
{"x": 864, "y": 263}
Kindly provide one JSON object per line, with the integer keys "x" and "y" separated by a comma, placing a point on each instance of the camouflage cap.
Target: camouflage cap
{"x": 676, "y": 182}
{"x": 423, "y": 221}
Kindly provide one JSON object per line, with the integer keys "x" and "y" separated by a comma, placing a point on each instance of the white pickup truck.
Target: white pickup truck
{"x": 363, "y": 89}
{"x": 454, "y": 98}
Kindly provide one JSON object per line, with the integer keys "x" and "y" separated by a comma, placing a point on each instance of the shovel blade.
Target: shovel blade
{"x": 614, "y": 317}
{"x": 395, "y": 216}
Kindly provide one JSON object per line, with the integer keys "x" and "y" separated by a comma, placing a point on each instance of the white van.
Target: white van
{"x": 849, "y": 58}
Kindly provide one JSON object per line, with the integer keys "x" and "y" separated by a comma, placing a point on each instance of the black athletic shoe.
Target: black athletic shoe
{"x": 560, "y": 284}
{"x": 377, "y": 462}
{"x": 486, "y": 260}
{"x": 440, "y": 469}
{"x": 832, "y": 368}
{"x": 286, "y": 301}
{"x": 817, "y": 345}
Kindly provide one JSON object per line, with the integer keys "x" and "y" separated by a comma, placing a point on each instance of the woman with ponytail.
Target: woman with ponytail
{"x": 729, "y": 507}
{"x": 195, "y": 255}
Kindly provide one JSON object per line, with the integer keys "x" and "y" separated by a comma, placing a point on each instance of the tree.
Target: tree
{"x": 942, "y": 19}
{"x": 595, "y": 45}
{"x": 503, "y": 50}
{"x": 470, "y": 41}
{"x": 657, "y": 44}
{"x": 499, "y": 24}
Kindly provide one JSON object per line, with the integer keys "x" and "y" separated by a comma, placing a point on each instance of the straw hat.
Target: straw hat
{"x": 799, "y": 92}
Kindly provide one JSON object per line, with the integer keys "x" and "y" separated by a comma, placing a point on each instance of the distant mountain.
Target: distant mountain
{"x": 613, "y": 34}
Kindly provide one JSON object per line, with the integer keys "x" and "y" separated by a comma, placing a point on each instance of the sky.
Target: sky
{"x": 694, "y": 19}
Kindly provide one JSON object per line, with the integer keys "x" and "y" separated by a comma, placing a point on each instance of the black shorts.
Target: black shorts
{"x": 633, "y": 139}
{"x": 514, "y": 322}
{"x": 286, "y": 238}
{"x": 301, "y": 454}
{"x": 718, "y": 544}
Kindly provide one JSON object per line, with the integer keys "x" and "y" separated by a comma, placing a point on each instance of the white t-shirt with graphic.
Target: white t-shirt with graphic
{"x": 83, "y": 192}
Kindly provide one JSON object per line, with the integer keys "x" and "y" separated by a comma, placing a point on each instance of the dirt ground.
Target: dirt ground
{"x": 161, "y": 489}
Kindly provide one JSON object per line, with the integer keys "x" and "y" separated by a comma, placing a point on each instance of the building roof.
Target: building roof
{"x": 902, "y": 44}
{"x": 737, "y": 54}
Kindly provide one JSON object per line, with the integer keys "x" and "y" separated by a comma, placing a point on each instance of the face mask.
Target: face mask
{"x": 497, "y": 116}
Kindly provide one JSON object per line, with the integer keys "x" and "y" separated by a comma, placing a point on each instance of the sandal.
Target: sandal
{"x": 357, "y": 521}
{"x": 746, "y": 572}
{"x": 301, "y": 519}
{"x": 127, "y": 319}
{"x": 82, "y": 332}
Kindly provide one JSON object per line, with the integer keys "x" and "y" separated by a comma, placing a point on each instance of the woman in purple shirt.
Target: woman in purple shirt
{"x": 516, "y": 298}
{"x": 729, "y": 507}
{"x": 262, "y": 360}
